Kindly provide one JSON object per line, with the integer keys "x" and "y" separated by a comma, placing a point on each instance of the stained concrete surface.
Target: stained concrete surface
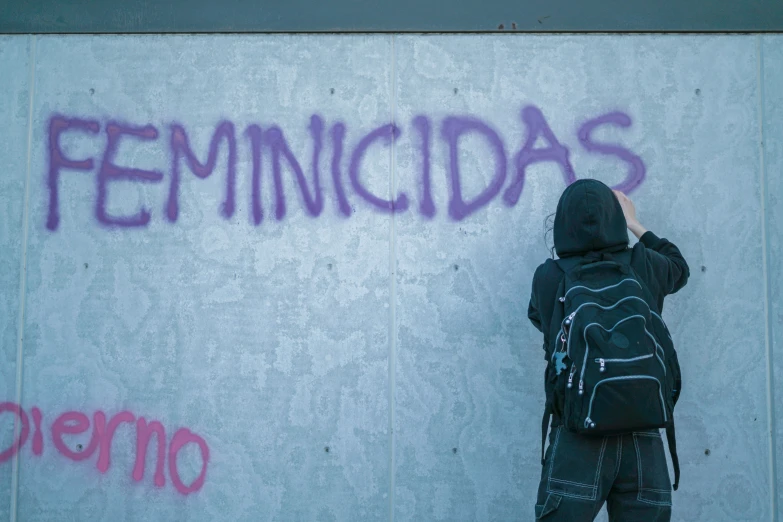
{"x": 344, "y": 362}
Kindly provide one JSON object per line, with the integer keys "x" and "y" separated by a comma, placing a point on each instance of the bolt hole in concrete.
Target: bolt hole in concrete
{"x": 329, "y": 266}
{"x": 331, "y": 91}
{"x": 326, "y": 449}
{"x": 456, "y": 90}
{"x": 703, "y": 268}
{"x": 78, "y": 447}
{"x": 86, "y": 265}
{"x": 454, "y": 450}
{"x": 698, "y": 92}
{"x": 456, "y": 267}
{"x": 707, "y": 452}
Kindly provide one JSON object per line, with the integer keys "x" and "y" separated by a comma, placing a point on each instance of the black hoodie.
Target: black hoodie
{"x": 589, "y": 218}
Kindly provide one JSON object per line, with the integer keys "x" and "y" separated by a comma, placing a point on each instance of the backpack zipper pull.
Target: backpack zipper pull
{"x": 603, "y": 365}
{"x": 581, "y": 387}
{"x": 571, "y": 376}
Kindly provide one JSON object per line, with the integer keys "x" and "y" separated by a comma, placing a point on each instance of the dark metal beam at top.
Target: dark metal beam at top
{"x": 241, "y": 16}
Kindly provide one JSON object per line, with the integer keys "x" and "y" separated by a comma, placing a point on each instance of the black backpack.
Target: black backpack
{"x": 612, "y": 367}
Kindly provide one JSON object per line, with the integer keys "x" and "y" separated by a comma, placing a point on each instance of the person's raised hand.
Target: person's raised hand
{"x": 629, "y": 211}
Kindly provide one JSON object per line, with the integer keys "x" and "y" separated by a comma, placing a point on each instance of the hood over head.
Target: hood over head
{"x": 589, "y": 218}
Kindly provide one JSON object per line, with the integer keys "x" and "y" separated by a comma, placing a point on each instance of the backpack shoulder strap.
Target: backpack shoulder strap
{"x": 545, "y": 427}
{"x": 569, "y": 263}
{"x": 671, "y": 438}
{"x": 565, "y": 265}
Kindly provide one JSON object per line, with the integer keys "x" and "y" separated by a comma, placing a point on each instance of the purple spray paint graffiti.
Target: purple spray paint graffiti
{"x": 109, "y": 171}
{"x": 537, "y": 126}
{"x": 181, "y": 146}
{"x": 637, "y": 170}
{"x": 271, "y": 139}
{"x": 451, "y": 130}
{"x": 387, "y": 133}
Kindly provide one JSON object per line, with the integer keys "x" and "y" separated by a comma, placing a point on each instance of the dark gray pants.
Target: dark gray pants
{"x": 628, "y": 472}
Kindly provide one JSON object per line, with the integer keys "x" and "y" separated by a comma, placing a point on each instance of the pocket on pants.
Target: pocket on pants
{"x": 655, "y": 487}
{"x": 551, "y": 504}
{"x": 575, "y": 464}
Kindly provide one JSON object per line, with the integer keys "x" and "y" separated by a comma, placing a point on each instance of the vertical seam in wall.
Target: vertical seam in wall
{"x": 23, "y": 278}
{"x": 765, "y": 269}
{"x": 392, "y": 290}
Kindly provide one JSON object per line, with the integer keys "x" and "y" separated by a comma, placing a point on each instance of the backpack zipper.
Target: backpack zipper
{"x": 569, "y": 320}
{"x": 602, "y": 361}
{"x": 587, "y": 345}
{"x": 571, "y": 376}
{"x": 563, "y": 333}
{"x": 589, "y": 422}
{"x": 665, "y": 328}
{"x": 598, "y": 290}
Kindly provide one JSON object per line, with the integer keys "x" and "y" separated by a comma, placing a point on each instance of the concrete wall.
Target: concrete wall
{"x": 346, "y": 358}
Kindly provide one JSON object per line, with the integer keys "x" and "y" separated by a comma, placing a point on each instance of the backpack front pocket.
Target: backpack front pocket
{"x": 617, "y": 403}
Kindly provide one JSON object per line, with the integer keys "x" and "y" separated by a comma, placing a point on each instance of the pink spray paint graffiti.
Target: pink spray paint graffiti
{"x": 272, "y": 139}
{"x": 24, "y": 430}
{"x": 75, "y": 423}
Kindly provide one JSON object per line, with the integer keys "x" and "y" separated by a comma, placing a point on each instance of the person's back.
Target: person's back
{"x": 628, "y": 471}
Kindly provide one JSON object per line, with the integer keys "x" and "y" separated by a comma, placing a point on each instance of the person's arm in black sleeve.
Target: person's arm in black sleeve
{"x": 665, "y": 266}
{"x": 665, "y": 263}
{"x": 533, "y": 312}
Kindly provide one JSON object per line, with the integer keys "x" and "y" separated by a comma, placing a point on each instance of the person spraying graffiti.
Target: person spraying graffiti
{"x": 612, "y": 376}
